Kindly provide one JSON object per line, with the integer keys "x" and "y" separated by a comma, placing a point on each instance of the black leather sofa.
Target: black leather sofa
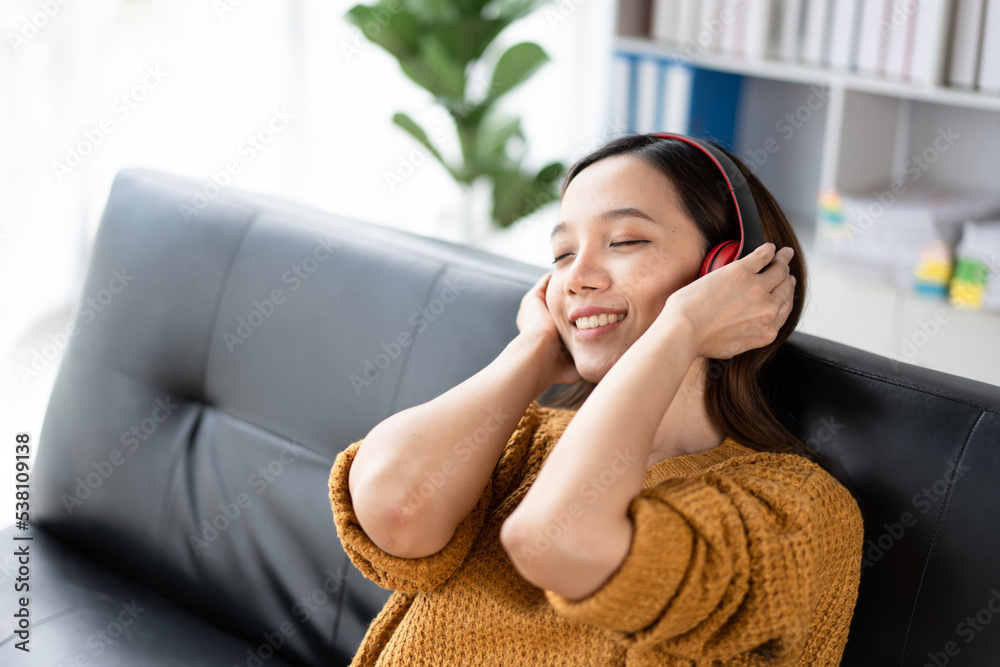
{"x": 178, "y": 503}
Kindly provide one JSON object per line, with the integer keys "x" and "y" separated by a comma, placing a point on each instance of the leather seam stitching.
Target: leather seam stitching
{"x": 934, "y": 537}
{"x": 218, "y": 302}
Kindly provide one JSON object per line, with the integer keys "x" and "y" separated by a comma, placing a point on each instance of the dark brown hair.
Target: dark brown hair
{"x": 734, "y": 397}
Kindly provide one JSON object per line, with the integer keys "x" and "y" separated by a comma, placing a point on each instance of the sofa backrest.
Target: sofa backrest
{"x": 920, "y": 450}
{"x": 228, "y": 347}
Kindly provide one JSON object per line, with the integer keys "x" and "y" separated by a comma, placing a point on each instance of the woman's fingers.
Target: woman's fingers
{"x": 778, "y": 270}
{"x": 772, "y": 290}
{"x": 771, "y": 264}
{"x": 543, "y": 283}
{"x": 784, "y": 293}
{"x": 785, "y": 310}
{"x": 783, "y": 299}
{"x": 760, "y": 257}
{"x": 533, "y": 310}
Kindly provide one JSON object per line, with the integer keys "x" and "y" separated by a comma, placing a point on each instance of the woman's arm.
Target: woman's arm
{"x": 431, "y": 447}
{"x": 756, "y": 559}
{"x": 724, "y": 313}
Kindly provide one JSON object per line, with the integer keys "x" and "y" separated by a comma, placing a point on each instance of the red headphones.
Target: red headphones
{"x": 751, "y": 235}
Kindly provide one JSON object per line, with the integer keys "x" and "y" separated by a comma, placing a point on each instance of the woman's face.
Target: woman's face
{"x": 622, "y": 245}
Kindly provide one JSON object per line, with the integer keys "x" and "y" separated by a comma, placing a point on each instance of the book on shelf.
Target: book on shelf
{"x": 791, "y": 30}
{"x": 689, "y": 18}
{"x": 966, "y": 36}
{"x": 871, "y": 48}
{"x": 989, "y": 56}
{"x": 665, "y": 23}
{"x": 815, "y": 49}
{"x": 619, "y": 99}
{"x": 899, "y": 33}
{"x": 739, "y": 28}
{"x": 908, "y": 41}
{"x": 763, "y": 29}
{"x": 930, "y": 40}
{"x": 649, "y": 94}
{"x": 710, "y": 25}
{"x": 634, "y": 17}
{"x": 844, "y": 29}
{"x": 652, "y": 93}
{"x": 733, "y": 17}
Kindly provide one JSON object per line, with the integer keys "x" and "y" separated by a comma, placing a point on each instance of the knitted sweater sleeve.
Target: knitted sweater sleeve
{"x": 740, "y": 560}
{"x": 414, "y": 575}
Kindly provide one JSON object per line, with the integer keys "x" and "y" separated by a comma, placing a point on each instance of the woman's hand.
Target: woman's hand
{"x": 735, "y": 308}
{"x": 533, "y": 317}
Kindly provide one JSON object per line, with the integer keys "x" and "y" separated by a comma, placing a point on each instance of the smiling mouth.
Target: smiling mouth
{"x": 595, "y": 321}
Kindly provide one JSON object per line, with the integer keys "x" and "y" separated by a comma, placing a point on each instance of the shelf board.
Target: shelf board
{"x": 808, "y": 75}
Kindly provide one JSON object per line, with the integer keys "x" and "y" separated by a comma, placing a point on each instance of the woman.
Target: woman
{"x": 668, "y": 518}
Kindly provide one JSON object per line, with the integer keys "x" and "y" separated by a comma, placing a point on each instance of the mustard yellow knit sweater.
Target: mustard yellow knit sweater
{"x": 738, "y": 558}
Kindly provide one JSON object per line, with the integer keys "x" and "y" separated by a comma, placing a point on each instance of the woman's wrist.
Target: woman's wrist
{"x": 674, "y": 325}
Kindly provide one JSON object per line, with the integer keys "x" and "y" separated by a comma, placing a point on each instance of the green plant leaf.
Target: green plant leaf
{"x": 398, "y": 33}
{"x": 434, "y": 10}
{"x": 448, "y": 71}
{"x": 550, "y": 173}
{"x": 417, "y": 132}
{"x": 435, "y": 41}
{"x": 517, "y": 195}
{"x": 515, "y": 65}
{"x": 434, "y": 70}
{"x": 469, "y": 38}
{"x": 469, "y": 8}
{"x": 421, "y": 74}
{"x": 493, "y": 135}
{"x": 511, "y": 10}
{"x": 509, "y": 197}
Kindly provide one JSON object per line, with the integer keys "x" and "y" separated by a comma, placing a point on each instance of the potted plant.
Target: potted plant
{"x": 437, "y": 44}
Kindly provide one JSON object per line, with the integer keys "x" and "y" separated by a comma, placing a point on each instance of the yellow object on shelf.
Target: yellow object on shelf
{"x": 933, "y": 269}
{"x": 830, "y": 212}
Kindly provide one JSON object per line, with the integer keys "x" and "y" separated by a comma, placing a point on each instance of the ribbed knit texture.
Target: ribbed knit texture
{"x": 738, "y": 557}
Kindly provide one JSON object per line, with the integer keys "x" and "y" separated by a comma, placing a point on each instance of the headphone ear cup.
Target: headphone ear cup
{"x": 719, "y": 256}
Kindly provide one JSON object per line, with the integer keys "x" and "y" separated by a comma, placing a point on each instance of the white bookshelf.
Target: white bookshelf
{"x": 805, "y": 74}
{"x": 859, "y": 139}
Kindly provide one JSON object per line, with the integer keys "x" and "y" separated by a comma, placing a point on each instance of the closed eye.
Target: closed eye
{"x": 612, "y": 245}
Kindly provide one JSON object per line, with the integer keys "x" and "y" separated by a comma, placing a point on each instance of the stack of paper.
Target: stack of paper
{"x": 883, "y": 236}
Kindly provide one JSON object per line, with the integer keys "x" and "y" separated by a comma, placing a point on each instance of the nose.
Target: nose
{"x": 587, "y": 272}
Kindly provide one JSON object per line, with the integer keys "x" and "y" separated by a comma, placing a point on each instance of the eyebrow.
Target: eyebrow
{"x": 612, "y": 214}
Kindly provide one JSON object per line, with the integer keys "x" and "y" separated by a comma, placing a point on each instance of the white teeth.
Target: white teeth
{"x": 599, "y": 320}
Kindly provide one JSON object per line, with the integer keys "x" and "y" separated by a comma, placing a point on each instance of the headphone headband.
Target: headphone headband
{"x": 751, "y": 234}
